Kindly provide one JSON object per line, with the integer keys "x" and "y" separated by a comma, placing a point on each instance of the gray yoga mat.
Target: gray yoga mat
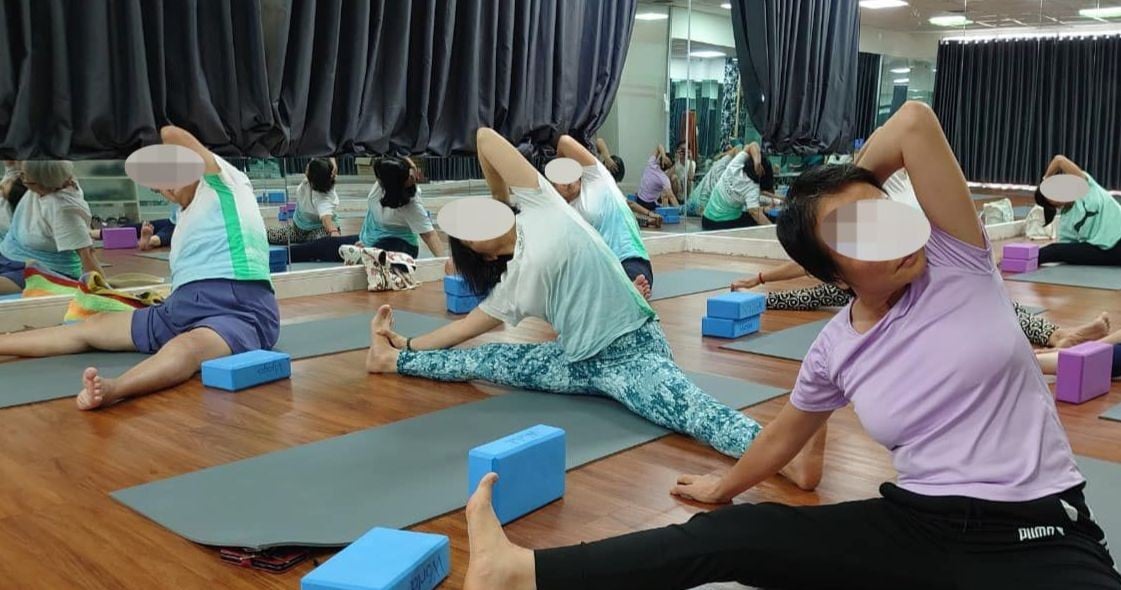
{"x": 791, "y": 343}
{"x": 155, "y": 255}
{"x": 329, "y": 493}
{"x": 1091, "y": 277}
{"x": 1113, "y": 413}
{"x": 1020, "y": 212}
{"x": 39, "y": 380}
{"x": 1103, "y": 479}
{"x": 695, "y": 280}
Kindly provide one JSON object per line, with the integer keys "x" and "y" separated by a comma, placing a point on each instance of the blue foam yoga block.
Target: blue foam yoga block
{"x": 457, "y": 285}
{"x": 278, "y": 254}
{"x": 275, "y": 197}
{"x": 725, "y": 328}
{"x": 736, "y": 305}
{"x": 385, "y": 559}
{"x": 460, "y": 305}
{"x": 530, "y": 466}
{"x": 245, "y": 370}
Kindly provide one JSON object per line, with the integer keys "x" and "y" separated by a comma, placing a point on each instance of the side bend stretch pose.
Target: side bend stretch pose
{"x": 316, "y": 206}
{"x": 698, "y": 198}
{"x": 656, "y": 189}
{"x": 153, "y": 234}
{"x": 221, "y": 301}
{"x": 50, "y": 225}
{"x": 1089, "y": 229}
{"x": 12, "y": 191}
{"x": 554, "y": 266}
{"x": 597, "y": 199}
{"x": 684, "y": 169}
{"x": 614, "y": 164}
{"x": 1039, "y": 330}
{"x": 735, "y": 200}
{"x": 972, "y": 428}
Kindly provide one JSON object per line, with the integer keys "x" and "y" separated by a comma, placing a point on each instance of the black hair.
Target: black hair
{"x": 797, "y": 226}
{"x": 15, "y": 193}
{"x": 482, "y": 275}
{"x": 1049, "y": 210}
{"x": 393, "y": 174}
{"x": 766, "y": 181}
{"x": 319, "y": 175}
{"x": 620, "y": 168}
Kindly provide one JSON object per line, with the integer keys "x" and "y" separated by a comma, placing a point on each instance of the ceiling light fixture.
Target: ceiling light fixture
{"x": 901, "y": 80}
{"x": 651, "y": 16}
{"x": 900, "y": 70}
{"x": 708, "y": 54}
{"x": 950, "y": 21}
{"x": 878, "y": 4}
{"x": 726, "y": 6}
{"x": 1101, "y": 13}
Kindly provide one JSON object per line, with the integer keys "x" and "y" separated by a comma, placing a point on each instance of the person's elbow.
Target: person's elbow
{"x": 918, "y": 115}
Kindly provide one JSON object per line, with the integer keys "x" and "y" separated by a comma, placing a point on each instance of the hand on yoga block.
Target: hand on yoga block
{"x": 245, "y": 370}
{"x": 385, "y": 559}
{"x": 118, "y": 238}
{"x": 725, "y": 328}
{"x": 530, "y": 465}
{"x": 1020, "y": 251}
{"x": 1084, "y": 372}
{"x": 736, "y": 305}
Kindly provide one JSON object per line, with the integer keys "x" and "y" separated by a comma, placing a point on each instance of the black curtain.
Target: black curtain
{"x": 1009, "y": 105}
{"x": 97, "y": 79}
{"x": 798, "y": 64}
{"x": 867, "y": 94}
{"x": 305, "y": 77}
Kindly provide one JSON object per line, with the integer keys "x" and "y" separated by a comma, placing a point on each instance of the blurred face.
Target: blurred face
{"x": 665, "y": 163}
{"x": 869, "y": 279}
{"x": 680, "y": 152}
{"x": 180, "y": 196}
{"x": 35, "y": 186}
{"x": 569, "y": 191}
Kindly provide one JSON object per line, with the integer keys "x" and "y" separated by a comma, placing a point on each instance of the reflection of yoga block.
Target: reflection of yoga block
{"x": 632, "y": 197}
{"x": 119, "y": 238}
{"x": 284, "y": 215}
{"x": 275, "y": 197}
{"x": 460, "y": 305}
{"x": 726, "y": 328}
{"x": 772, "y": 213}
{"x": 385, "y": 559}
{"x": 1021, "y": 251}
{"x": 1084, "y": 372}
{"x": 1016, "y": 265}
{"x": 530, "y": 465}
{"x": 278, "y": 254}
{"x": 736, "y": 305}
{"x": 669, "y": 214}
{"x": 457, "y": 285}
{"x": 245, "y": 370}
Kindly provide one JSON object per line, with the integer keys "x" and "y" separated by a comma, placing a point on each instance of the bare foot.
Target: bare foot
{"x": 1094, "y": 330}
{"x": 145, "y": 242}
{"x": 96, "y": 392}
{"x": 805, "y": 469}
{"x": 642, "y": 285}
{"x": 382, "y": 357}
{"x": 495, "y": 561}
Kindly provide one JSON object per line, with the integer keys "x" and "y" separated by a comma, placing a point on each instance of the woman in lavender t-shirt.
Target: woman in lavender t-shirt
{"x": 988, "y": 495}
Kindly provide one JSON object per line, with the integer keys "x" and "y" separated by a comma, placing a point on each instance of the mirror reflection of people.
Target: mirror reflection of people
{"x": 50, "y": 225}
{"x": 1089, "y": 228}
{"x": 221, "y": 303}
{"x": 684, "y": 169}
{"x": 656, "y": 189}
{"x": 698, "y": 197}
{"x": 153, "y": 234}
{"x": 395, "y": 213}
{"x": 316, "y": 205}
{"x": 735, "y": 201}
{"x": 11, "y": 191}
{"x": 597, "y": 199}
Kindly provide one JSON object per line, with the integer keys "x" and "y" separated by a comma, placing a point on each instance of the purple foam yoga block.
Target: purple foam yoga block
{"x": 1021, "y": 251}
{"x": 1016, "y": 265}
{"x": 1084, "y": 372}
{"x": 118, "y": 238}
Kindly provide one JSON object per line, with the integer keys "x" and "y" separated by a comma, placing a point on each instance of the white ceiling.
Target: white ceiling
{"x": 985, "y": 14}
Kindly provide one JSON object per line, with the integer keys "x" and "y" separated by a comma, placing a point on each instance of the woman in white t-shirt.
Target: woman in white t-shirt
{"x": 316, "y": 203}
{"x": 50, "y": 225}
{"x": 395, "y": 213}
{"x": 11, "y": 190}
{"x": 553, "y": 266}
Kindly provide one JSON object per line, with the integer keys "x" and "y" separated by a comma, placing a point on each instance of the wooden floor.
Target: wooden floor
{"x": 60, "y": 529}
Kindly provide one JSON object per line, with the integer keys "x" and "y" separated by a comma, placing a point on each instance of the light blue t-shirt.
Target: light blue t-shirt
{"x": 220, "y": 234}
{"x": 603, "y": 205}
{"x": 563, "y": 272}
{"x": 50, "y": 229}
{"x": 403, "y": 222}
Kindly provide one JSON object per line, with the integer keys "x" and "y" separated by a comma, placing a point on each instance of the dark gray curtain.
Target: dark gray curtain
{"x": 867, "y": 94}
{"x": 798, "y": 64}
{"x": 97, "y": 79}
{"x": 305, "y": 77}
{"x": 1009, "y": 105}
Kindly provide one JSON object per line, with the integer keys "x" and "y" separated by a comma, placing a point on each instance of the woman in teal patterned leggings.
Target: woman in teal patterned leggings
{"x": 552, "y": 265}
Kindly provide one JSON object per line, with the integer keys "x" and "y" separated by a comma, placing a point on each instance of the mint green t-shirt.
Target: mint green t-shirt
{"x": 1094, "y": 219}
{"x": 603, "y": 205}
{"x": 734, "y": 192}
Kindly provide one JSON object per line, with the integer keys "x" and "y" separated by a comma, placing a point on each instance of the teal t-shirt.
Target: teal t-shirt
{"x": 404, "y": 222}
{"x": 734, "y": 192}
{"x": 1094, "y": 219}
{"x": 603, "y": 205}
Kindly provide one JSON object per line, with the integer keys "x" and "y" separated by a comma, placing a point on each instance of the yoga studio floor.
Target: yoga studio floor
{"x": 60, "y": 529}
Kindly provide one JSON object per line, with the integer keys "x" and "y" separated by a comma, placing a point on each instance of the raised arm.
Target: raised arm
{"x": 432, "y": 239}
{"x": 503, "y": 166}
{"x": 173, "y": 135}
{"x": 570, "y": 148}
{"x": 1061, "y": 164}
{"x": 756, "y": 156}
{"x": 604, "y": 151}
{"x": 913, "y": 139}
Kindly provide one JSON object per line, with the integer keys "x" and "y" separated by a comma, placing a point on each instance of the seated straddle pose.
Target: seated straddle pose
{"x": 1049, "y": 359}
{"x": 988, "y": 496}
{"x": 735, "y": 200}
{"x": 552, "y": 265}
{"x": 222, "y": 299}
{"x": 1089, "y": 229}
{"x": 655, "y": 189}
{"x": 316, "y": 206}
{"x": 698, "y": 197}
{"x": 1039, "y": 330}
{"x": 395, "y": 210}
{"x": 600, "y": 202}
{"x": 154, "y": 234}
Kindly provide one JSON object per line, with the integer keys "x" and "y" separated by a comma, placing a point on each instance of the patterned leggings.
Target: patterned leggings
{"x": 1038, "y": 329}
{"x": 637, "y": 370}
{"x": 290, "y": 234}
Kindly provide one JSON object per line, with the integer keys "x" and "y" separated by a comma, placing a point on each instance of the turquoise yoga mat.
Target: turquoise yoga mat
{"x": 38, "y": 380}
{"x": 330, "y": 492}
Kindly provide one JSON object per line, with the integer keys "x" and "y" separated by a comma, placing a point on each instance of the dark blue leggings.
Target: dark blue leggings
{"x": 1116, "y": 361}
